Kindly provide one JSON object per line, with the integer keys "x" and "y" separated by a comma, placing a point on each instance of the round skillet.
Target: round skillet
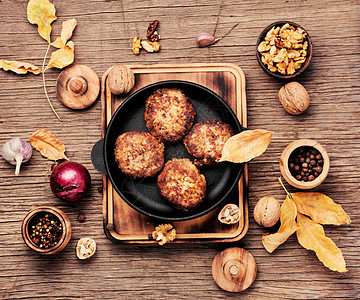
{"x": 143, "y": 194}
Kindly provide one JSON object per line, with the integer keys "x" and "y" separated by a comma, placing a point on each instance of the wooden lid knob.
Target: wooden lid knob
{"x": 234, "y": 269}
{"x": 78, "y": 86}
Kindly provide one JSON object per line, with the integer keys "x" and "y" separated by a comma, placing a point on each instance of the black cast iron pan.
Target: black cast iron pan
{"x": 143, "y": 194}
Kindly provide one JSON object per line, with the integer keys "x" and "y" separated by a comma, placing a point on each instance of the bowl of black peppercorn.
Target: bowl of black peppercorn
{"x": 304, "y": 164}
{"x": 46, "y": 229}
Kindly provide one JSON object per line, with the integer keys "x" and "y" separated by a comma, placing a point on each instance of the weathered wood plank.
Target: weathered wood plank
{"x": 103, "y": 38}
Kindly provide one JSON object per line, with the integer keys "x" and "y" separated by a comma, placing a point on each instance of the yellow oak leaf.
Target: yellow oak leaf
{"x": 48, "y": 145}
{"x": 62, "y": 57}
{"x": 42, "y": 13}
{"x": 320, "y": 208}
{"x": 312, "y": 237}
{"x": 66, "y": 33}
{"x": 246, "y": 145}
{"x": 288, "y": 226}
{"x": 18, "y": 67}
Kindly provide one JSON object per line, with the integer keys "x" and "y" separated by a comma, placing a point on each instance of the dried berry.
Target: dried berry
{"x": 45, "y": 230}
{"x": 305, "y": 163}
{"x": 81, "y": 218}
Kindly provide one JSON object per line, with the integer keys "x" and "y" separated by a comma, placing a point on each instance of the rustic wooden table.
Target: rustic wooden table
{"x": 179, "y": 271}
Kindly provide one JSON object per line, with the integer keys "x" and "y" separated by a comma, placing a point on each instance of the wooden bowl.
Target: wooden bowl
{"x": 277, "y": 74}
{"x": 66, "y": 234}
{"x": 284, "y": 164}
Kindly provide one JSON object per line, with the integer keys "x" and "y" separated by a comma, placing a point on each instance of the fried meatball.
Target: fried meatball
{"x": 169, "y": 114}
{"x": 206, "y": 140}
{"x": 139, "y": 154}
{"x": 181, "y": 183}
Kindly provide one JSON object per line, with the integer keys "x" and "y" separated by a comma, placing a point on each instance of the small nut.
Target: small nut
{"x": 294, "y": 98}
{"x": 230, "y": 214}
{"x": 151, "y": 34}
{"x": 150, "y": 46}
{"x": 86, "y": 247}
{"x": 121, "y": 79}
{"x": 164, "y": 233}
{"x": 267, "y": 211}
{"x": 136, "y": 45}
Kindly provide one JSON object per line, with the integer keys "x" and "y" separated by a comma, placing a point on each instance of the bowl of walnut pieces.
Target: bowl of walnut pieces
{"x": 284, "y": 49}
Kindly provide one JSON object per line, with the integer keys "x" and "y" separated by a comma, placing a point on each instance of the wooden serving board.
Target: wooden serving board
{"x": 124, "y": 224}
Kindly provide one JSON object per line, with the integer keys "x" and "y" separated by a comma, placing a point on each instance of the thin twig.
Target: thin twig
{"x": 43, "y": 75}
{"x": 218, "y": 16}
{"x": 289, "y": 195}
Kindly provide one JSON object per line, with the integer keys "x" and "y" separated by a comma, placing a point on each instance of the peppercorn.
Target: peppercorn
{"x": 305, "y": 163}
{"x": 45, "y": 230}
{"x": 81, "y": 218}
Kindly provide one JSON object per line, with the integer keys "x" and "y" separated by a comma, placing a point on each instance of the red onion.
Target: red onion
{"x": 70, "y": 181}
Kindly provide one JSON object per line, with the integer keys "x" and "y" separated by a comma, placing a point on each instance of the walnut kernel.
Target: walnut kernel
{"x": 136, "y": 45}
{"x": 267, "y": 211}
{"x": 164, "y": 233}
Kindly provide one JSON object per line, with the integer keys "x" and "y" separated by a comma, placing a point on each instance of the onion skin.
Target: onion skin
{"x": 70, "y": 181}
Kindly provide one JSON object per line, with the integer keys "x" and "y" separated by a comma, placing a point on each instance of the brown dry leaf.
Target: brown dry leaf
{"x": 18, "y": 67}
{"x": 320, "y": 208}
{"x": 246, "y": 145}
{"x": 287, "y": 228}
{"x": 66, "y": 33}
{"x": 62, "y": 57}
{"x": 42, "y": 13}
{"x": 48, "y": 145}
{"x": 312, "y": 237}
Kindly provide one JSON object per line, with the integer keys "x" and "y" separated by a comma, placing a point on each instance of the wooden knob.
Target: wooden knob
{"x": 234, "y": 269}
{"x": 78, "y": 86}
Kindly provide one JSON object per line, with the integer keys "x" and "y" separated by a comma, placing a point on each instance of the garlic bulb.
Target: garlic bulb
{"x": 16, "y": 151}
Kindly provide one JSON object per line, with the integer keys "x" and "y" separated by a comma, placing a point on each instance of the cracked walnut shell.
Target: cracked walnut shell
{"x": 294, "y": 98}
{"x": 267, "y": 212}
{"x": 86, "y": 247}
{"x": 230, "y": 214}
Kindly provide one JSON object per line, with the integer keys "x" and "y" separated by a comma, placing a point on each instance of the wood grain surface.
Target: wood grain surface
{"x": 103, "y": 38}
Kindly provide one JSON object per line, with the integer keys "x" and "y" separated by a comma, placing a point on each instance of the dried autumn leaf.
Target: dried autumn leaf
{"x": 320, "y": 208}
{"x": 62, "y": 57}
{"x": 246, "y": 145}
{"x": 18, "y": 67}
{"x": 42, "y": 13}
{"x": 287, "y": 228}
{"x": 48, "y": 145}
{"x": 66, "y": 33}
{"x": 312, "y": 237}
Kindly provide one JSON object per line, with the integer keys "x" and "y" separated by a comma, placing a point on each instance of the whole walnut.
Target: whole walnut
{"x": 267, "y": 211}
{"x": 121, "y": 79}
{"x": 294, "y": 98}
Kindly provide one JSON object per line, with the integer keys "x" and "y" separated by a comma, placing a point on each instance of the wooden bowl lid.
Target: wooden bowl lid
{"x": 78, "y": 86}
{"x": 234, "y": 269}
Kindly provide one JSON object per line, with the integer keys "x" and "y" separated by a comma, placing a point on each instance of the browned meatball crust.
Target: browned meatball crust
{"x": 206, "y": 140}
{"x": 181, "y": 183}
{"x": 169, "y": 114}
{"x": 139, "y": 154}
